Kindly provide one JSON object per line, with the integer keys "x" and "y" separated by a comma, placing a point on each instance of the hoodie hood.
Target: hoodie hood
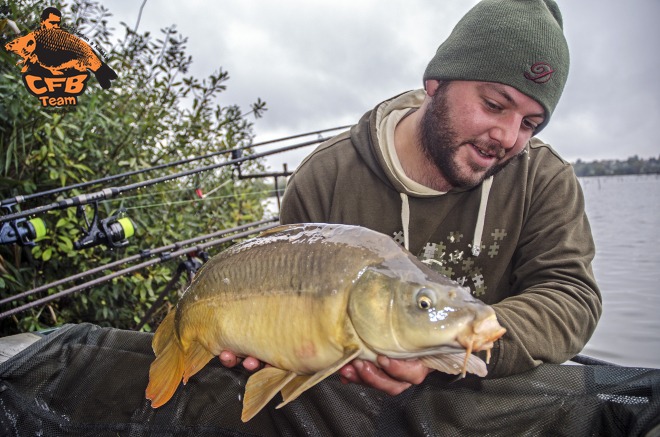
{"x": 374, "y": 141}
{"x": 372, "y": 129}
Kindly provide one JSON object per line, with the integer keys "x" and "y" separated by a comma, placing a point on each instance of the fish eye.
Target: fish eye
{"x": 424, "y": 301}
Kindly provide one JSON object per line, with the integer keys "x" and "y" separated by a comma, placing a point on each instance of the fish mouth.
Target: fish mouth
{"x": 480, "y": 335}
{"x": 483, "y": 336}
{"x": 484, "y": 333}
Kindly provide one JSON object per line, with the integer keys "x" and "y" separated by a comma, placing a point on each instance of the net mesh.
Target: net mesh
{"x": 83, "y": 380}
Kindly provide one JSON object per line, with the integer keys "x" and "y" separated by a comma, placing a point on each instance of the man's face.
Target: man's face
{"x": 471, "y": 130}
{"x": 52, "y": 22}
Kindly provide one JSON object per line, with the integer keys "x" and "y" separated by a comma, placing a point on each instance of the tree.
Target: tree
{"x": 155, "y": 112}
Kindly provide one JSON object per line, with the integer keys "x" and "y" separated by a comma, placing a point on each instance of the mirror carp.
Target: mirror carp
{"x": 310, "y": 298}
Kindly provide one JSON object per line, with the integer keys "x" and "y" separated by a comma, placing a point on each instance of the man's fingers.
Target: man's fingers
{"x": 411, "y": 371}
{"x": 228, "y": 359}
{"x": 374, "y": 377}
{"x": 349, "y": 374}
{"x": 251, "y": 364}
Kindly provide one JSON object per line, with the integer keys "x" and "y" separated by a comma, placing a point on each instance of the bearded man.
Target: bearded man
{"x": 456, "y": 174}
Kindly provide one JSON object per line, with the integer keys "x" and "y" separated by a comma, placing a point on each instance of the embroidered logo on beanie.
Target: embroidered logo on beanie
{"x": 541, "y": 72}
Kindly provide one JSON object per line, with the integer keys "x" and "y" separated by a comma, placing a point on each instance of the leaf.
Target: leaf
{"x": 62, "y": 222}
{"x": 60, "y": 133}
{"x": 145, "y": 119}
{"x": 67, "y": 242}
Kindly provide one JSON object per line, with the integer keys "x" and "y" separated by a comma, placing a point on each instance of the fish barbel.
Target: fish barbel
{"x": 310, "y": 298}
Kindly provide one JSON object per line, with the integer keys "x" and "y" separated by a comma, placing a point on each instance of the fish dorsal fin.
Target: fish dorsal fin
{"x": 277, "y": 229}
{"x": 260, "y": 389}
{"x": 196, "y": 358}
{"x": 453, "y": 364}
{"x": 300, "y": 384}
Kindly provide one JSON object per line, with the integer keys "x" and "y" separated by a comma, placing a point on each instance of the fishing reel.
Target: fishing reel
{"x": 22, "y": 231}
{"x": 112, "y": 232}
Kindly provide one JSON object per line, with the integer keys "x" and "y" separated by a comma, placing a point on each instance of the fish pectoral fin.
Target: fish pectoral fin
{"x": 302, "y": 383}
{"x": 292, "y": 387}
{"x": 261, "y": 388}
{"x": 453, "y": 364}
{"x": 196, "y": 358}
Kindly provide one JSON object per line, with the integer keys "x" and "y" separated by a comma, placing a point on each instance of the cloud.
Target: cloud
{"x": 611, "y": 103}
{"x": 323, "y": 64}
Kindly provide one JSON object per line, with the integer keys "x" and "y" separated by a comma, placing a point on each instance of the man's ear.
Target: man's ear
{"x": 431, "y": 86}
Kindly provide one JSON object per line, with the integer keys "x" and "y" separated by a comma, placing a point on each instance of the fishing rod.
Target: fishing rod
{"x": 109, "y": 193}
{"x": 142, "y": 255}
{"x": 23, "y": 198}
{"x": 148, "y": 263}
{"x": 586, "y": 360}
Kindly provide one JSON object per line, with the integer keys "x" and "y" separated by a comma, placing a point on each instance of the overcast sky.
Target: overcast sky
{"x": 323, "y": 64}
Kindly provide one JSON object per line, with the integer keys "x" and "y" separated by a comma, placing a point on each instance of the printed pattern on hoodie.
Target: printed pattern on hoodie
{"x": 450, "y": 258}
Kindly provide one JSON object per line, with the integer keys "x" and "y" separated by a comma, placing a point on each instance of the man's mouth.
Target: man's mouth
{"x": 491, "y": 153}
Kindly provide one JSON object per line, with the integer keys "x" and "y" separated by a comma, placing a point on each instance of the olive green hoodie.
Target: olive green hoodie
{"x": 520, "y": 241}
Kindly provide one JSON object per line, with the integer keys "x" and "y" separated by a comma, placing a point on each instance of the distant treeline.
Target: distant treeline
{"x": 633, "y": 165}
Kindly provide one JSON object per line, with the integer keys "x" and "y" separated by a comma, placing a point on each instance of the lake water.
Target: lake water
{"x": 624, "y": 212}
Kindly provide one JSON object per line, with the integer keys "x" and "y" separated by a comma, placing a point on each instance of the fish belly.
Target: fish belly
{"x": 289, "y": 332}
{"x": 283, "y": 303}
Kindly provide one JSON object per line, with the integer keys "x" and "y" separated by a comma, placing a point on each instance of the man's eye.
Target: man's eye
{"x": 492, "y": 105}
{"x": 529, "y": 125}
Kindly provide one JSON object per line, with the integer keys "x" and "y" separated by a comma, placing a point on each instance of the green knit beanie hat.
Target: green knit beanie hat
{"x": 514, "y": 42}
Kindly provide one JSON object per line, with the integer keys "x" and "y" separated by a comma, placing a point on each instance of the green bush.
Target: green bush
{"x": 154, "y": 113}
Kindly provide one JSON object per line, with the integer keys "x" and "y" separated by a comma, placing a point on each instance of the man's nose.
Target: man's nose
{"x": 506, "y": 131}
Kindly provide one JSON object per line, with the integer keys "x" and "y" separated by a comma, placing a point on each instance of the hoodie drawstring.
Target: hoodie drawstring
{"x": 481, "y": 217}
{"x": 478, "y": 229}
{"x": 405, "y": 220}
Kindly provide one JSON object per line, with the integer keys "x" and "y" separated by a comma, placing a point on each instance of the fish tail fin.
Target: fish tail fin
{"x": 104, "y": 75}
{"x": 166, "y": 371}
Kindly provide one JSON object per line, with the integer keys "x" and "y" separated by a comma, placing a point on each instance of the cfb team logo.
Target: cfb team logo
{"x": 56, "y": 63}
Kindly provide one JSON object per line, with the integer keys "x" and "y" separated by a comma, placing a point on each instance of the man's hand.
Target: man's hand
{"x": 229, "y": 359}
{"x": 392, "y": 377}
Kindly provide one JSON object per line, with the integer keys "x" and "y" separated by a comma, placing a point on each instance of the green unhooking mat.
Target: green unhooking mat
{"x": 83, "y": 380}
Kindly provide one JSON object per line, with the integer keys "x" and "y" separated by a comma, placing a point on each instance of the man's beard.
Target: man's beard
{"x": 440, "y": 144}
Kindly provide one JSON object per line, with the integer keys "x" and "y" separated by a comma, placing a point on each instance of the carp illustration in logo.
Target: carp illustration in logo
{"x": 56, "y": 63}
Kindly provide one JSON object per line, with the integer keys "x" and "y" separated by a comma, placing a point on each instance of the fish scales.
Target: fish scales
{"x": 260, "y": 271}
{"x": 250, "y": 280}
{"x": 268, "y": 272}
{"x": 310, "y": 298}
{"x": 58, "y": 39}
{"x": 56, "y": 46}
